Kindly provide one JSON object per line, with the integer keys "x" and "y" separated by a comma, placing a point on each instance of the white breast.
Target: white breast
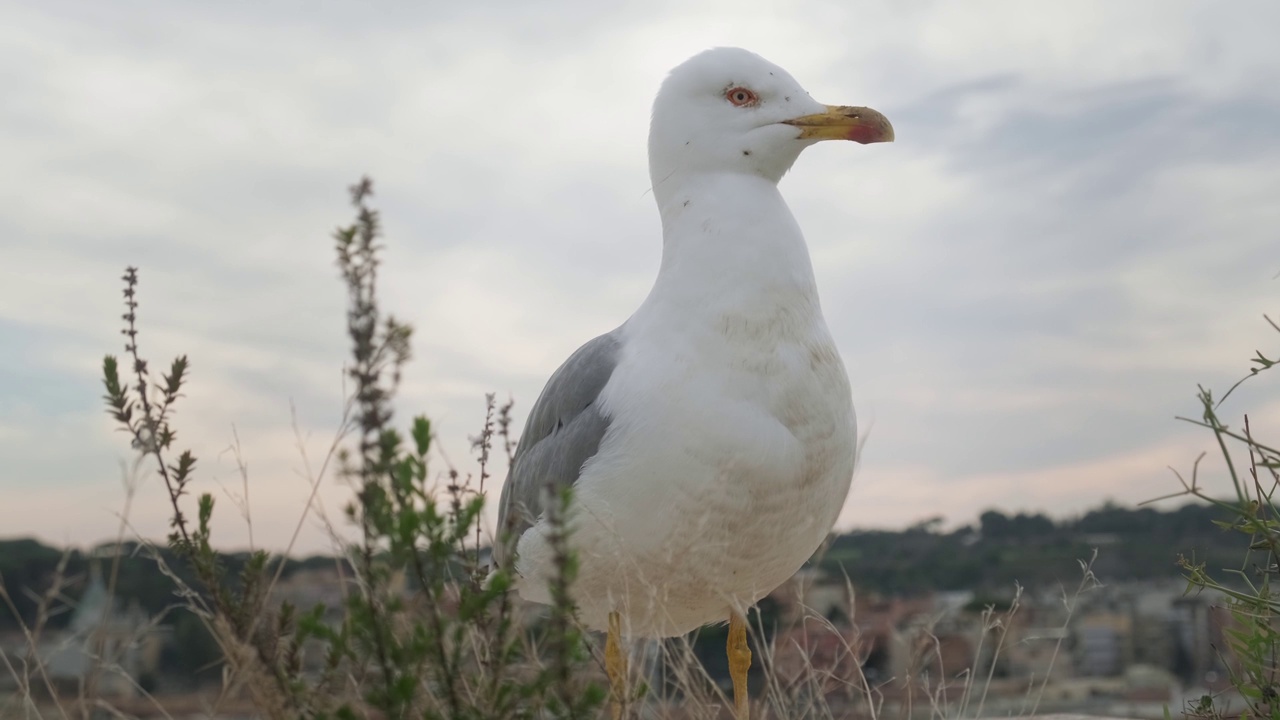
{"x": 719, "y": 481}
{"x": 731, "y": 444}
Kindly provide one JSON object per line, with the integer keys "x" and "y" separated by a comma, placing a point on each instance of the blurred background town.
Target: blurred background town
{"x": 1087, "y": 615}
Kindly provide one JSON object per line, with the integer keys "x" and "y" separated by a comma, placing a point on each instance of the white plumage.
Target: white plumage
{"x": 711, "y": 441}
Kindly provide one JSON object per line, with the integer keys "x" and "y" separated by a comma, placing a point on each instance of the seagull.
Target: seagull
{"x": 709, "y": 441}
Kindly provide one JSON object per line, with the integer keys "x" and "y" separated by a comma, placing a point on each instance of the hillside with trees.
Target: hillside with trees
{"x": 1033, "y": 550}
{"x": 989, "y": 557}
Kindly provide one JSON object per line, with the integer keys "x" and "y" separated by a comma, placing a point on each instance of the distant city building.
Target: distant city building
{"x": 108, "y": 649}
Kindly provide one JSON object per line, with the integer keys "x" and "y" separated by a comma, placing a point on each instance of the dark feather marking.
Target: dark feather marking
{"x": 563, "y": 431}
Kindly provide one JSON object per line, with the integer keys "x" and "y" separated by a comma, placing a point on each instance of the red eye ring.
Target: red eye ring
{"x": 741, "y": 97}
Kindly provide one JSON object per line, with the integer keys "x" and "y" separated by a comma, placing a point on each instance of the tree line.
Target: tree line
{"x": 989, "y": 556}
{"x": 1034, "y": 550}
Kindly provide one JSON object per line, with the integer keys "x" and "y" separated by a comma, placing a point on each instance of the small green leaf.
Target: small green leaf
{"x": 421, "y": 435}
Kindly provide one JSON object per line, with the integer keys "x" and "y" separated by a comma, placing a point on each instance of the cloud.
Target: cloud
{"x": 1075, "y": 227}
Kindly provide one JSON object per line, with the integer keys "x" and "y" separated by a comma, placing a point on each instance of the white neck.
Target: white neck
{"x": 730, "y": 245}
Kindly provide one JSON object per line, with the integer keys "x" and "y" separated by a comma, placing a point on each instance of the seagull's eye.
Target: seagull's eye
{"x": 741, "y": 97}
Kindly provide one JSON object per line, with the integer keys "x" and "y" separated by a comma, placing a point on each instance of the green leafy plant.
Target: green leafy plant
{"x": 1250, "y": 651}
{"x": 427, "y": 631}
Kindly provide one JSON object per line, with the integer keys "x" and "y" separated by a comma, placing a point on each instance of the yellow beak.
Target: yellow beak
{"x": 842, "y": 122}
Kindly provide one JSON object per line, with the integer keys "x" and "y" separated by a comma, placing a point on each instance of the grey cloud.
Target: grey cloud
{"x": 1023, "y": 285}
{"x": 1042, "y": 299}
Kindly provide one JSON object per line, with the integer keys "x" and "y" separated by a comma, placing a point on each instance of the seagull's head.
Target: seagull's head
{"x": 730, "y": 110}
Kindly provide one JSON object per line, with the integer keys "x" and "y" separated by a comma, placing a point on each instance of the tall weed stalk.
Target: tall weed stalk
{"x": 1250, "y": 648}
{"x": 427, "y": 631}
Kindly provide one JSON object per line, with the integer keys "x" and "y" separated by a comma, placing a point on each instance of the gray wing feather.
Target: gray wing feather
{"x": 563, "y": 431}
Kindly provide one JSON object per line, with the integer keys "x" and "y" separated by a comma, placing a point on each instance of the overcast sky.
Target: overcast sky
{"x": 1077, "y": 224}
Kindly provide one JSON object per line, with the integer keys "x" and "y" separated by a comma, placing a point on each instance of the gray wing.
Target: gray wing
{"x": 563, "y": 431}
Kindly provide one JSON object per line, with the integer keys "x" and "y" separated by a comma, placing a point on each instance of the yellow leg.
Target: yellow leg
{"x": 615, "y": 664}
{"x": 739, "y": 662}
